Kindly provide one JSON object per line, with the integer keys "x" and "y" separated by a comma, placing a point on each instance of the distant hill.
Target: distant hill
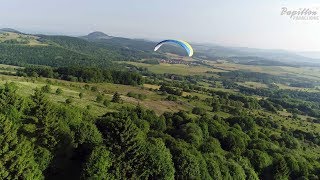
{"x": 310, "y": 54}
{"x": 245, "y": 55}
{"x": 99, "y": 49}
{"x": 240, "y": 55}
{"x": 9, "y": 30}
{"x": 24, "y": 49}
{"x": 13, "y": 38}
{"x": 106, "y": 40}
{"x": 141, "y": 45}
{"x": 97, "y": 35}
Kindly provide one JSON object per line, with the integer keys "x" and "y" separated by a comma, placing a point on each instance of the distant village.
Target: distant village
{"x": 180, "y": 61}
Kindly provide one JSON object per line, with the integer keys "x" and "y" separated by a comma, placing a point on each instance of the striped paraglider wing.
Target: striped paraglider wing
{"x": 183, "y": 44}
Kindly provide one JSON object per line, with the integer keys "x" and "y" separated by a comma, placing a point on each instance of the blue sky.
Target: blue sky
{"x": 246, "y": 23}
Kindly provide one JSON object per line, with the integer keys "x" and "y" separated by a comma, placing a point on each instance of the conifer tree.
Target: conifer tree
{"x": 11, "y": 104}
{"x": 42, "y": 115}
{"x": 16, "y": 155}
{"x": 281, "y": 170}
{"x": 127, "y": 143}
{"x": 98, "y": 164}
{"x": 116, "y": 98}
{"x": 159, "y": 160}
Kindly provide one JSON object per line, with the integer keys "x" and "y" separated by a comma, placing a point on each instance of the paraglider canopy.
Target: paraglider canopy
{"x": 183, "y": 44}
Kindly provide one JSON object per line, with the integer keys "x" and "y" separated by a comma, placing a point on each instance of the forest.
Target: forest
{"x": 59, "y": 51}
{"x": 84, "y": 74}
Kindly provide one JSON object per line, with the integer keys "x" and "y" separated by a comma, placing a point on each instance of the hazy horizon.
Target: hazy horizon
{"x": 239, "y": 24}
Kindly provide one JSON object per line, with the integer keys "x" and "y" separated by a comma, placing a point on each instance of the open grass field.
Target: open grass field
{"x": 250, "y": 84}
{"x": 151, "y": 86}
{"x": 258, "y": 85}
{"x": 175, "y": 56}
{"x": 8, "y": 68}
{"x": 302, "y": 123}
{"x": 307, "y": 72}
{"x": 180, "y": 69}
{"x": 312, "y": 73}
{"x": 153, "y": 101}
{"x": 283, "y": 86}
{"x": 28, "y": 39}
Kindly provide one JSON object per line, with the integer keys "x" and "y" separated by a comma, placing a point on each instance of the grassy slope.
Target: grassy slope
{"x": 153, "y": 101}
{"x": 307, "y": 72}
{"x": 32, "y": 40}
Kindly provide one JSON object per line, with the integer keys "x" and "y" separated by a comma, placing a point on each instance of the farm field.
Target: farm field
{"x": 180, "y": 69}
{"x": 307, "y": 72}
